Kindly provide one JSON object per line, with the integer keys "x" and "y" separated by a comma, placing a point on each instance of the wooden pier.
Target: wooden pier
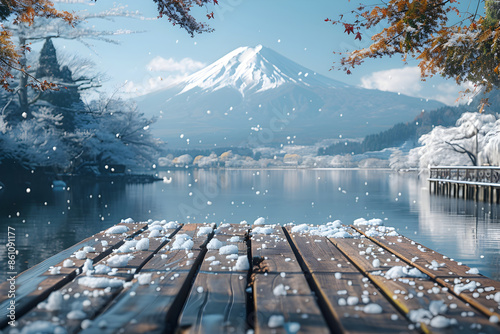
{"x": 475, "y": 183}
{"x": 166, "y": 278}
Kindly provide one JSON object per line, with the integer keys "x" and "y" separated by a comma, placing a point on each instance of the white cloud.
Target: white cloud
{"x": 185, "y": 65}
{"x": 407, "y": 81}
{"x": 167, "y": 72}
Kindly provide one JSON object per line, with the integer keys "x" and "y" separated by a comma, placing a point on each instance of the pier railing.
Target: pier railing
{"x": 480, "y": 183}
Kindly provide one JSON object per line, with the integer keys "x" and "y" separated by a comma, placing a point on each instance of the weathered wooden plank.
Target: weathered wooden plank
{"x": 346, "y": 290}
{"x": 445, "y": 271}
{"x": 36, "y": 283}
{"x": 285, "y": 303}
{"x": 217, "y": 302}
{"x": 152, "y": 303}
{"x": 84, "y": 297}
{"x": 271, "y": 252}
{"x": 283, "y": 300}
{"x": 412, "y": 296}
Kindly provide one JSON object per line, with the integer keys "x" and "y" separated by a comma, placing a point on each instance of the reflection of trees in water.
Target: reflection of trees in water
{"x": 473, "y": 226}
{"x": 52, "y": 221}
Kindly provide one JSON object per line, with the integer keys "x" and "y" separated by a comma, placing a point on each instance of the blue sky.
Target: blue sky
{"x": 161, "y": 53}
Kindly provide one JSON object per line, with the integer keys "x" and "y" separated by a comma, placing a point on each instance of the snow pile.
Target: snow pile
{"x": 53, "y": 303}
{"x": 127, "y": 221}
{"x": 127, "y": 247}
{"x": 101, "y": 269}
{"x": 302, "y": 228}
{"x": 473, "y": 271}
{"x": 329, "y": 230}
{"x": 279, "y": 290}
{"x": 144, "y": 279}
{"x": 118, "y": 229}
{"x": 459, "y": 288}
{"x": 182, "y": 241}
{"x": 260, "y": 221}
{"x": 76, "y": 315}
{"x": 204, "y": 230}
{"x": 242, "y": 263}
{"x": 276, "y": 321}
{"x": 234, "y": 239}
{"x": 154, "y": 234}
{"x": 371, "y": 222}
{"x": 262, "y": 230}
{"x": 80, "y": 255}
{"x": 433, "y": 316}
{"x": 100, "y": 282}
{"x": 172, "y": 225}
{"x": 214, "y": 244}
{"x": 142, "y": 245}
{"x": 117, "y": 261}
{"x": 400, "y": 271}
{"x": 68, "y": 263}
{"x": 373, "y": 309}
{"x": 228, "y": 249}
{"x": 87, "y": 266}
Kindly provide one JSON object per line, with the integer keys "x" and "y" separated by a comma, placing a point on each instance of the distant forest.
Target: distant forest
{"x": 410, "y": 131}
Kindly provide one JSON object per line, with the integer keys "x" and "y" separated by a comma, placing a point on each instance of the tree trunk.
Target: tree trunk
{"x": 23, "y": 81}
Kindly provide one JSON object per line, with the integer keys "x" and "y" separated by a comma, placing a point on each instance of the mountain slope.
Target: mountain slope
{"x": 255, "y": 96}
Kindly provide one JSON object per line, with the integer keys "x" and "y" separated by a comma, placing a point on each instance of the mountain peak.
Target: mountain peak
{"x": 254, "y": 69}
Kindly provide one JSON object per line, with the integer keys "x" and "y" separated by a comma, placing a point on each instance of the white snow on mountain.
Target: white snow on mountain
{"x": 253, "y": 69}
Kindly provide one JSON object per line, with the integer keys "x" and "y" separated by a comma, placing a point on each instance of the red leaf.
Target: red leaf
{"x": 358, "y": 36}
{"x": 348, "y": 71}
{"x": 349, "y": 28}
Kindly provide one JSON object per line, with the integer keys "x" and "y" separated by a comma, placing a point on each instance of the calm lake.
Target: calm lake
{"x": 48, "y": 223}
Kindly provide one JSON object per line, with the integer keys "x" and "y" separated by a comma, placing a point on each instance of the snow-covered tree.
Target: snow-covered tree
{"x": 470, "y": 142}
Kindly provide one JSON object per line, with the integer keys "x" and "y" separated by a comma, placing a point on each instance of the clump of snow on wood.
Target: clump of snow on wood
{"x": 100, "y": 282}
{"x": 81, "y": 255}
{"x": 68, "y": 263}
{"x": 127, "y": 247}
{"x": 183, "y": 241}
{"x": 118, "y": 229}
{"x": 279, "y": 290}
{"x": 400, "y": 271}
{"x": 142, "y": 244}
{"x": 215, "y": 244}
{"x": 234, "y": 239}
{"x": 228, "y": 249}
{"x": 144, "y": 278}
{"x": 260, "y": 221}
{"x": 276, "y": 321}
{"x": 262, "y": 230}
{"x": 101, "y": 269}
{"x": 204, "y": 230}
{"x": 127, "y": 221}
{"x": 87, "y": 266}
{"x": 473, "y": 271}
{"x": 329, "y": 230}
{"x": 373, "y": 308}
{"x": 117, "y": 261}
{"x": 53, "y": 303}
{"x": 172, "y": 224}
{"x": 242, "y": 263}
{"x": 76, "y": 315}
{"x": 371, "y": 222}
{"x": 458, "y": 288}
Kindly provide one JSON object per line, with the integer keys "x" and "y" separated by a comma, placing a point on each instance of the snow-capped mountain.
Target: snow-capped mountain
{"x": 257, "y": 97}
{"x": 254, "y": 70}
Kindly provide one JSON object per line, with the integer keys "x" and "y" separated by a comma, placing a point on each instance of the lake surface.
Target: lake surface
{"x": 48, "y": 223}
